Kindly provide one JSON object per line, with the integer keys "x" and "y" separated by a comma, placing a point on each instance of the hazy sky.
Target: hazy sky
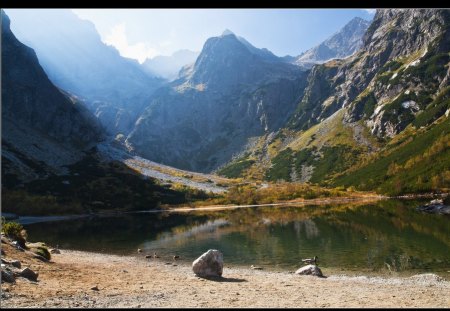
{"x": 142, "y": 33}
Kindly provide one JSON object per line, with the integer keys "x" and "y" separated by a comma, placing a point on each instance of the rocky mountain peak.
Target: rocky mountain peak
{"x": 227, "y": 32}
{"x": 343, "y": 43}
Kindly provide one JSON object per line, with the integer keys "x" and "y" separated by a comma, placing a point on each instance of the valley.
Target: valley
{"x": 334, "y": 151}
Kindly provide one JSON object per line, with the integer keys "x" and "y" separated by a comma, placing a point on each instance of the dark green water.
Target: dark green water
{"x": 366, "y": 238}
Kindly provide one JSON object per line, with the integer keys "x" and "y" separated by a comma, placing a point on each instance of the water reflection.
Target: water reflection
{"x": 389, "y": 235}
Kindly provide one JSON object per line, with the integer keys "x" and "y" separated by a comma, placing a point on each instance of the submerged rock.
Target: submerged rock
{"x": 209, "y": 264}
{"x": 309, "y": 270}
{"x": 436, "y": 207}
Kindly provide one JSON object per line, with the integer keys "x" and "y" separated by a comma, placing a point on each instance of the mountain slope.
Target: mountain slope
{"x": 377, "y": 120}
{"x": 233, "y": 92}
{"x": 342, "y": 44}
{"x": 71, "y": 52}
{"x": 168, "y": 67}
{"x": 43, "y": 127}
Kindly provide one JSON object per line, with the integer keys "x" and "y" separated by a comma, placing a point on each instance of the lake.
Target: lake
{"x": 389, "y": 235}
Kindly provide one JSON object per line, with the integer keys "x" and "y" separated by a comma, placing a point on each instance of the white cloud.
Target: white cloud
{"x": 140, "y": 51}
{"x": 370, "y": 11}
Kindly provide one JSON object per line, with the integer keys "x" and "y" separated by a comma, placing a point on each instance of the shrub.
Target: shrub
{"x": 14, "y": 231}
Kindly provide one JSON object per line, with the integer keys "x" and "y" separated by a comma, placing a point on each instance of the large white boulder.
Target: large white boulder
{"x": 309, "y": 270}
{"x": 209, "y": 264}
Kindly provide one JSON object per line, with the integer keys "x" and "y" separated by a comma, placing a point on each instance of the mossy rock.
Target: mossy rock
{"x": 41, "y": 251}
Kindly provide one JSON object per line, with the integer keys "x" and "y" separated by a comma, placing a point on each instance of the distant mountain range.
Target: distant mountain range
{"x": 72, "y": 54}
{"x": 234, "y": 91}
{"x": 344, "y": 43}
{"x": 168, "y": 67}
{"x": 367, "y": 108}
{"x": 43, "y": 127}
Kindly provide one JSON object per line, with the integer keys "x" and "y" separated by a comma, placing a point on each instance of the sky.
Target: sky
{"x": 146, "y": 33}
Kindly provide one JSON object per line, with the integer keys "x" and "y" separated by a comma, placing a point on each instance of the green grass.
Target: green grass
{"x": 236, "y": 169}
{"x": 435, "y": 109}
{"x": 334, "y": 159}
{"x": 421, "y": 176}
{"x": 281, "y": 166}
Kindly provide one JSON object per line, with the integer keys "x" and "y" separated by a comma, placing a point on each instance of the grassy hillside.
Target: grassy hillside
{"x": 415, "y": 161}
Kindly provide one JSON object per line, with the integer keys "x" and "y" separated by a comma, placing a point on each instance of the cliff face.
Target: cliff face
{"x": 234, "y": 91}
{"x": 71, "y": 52}
{"x": 40, "y": 123}
{"x": 402, "y": 49}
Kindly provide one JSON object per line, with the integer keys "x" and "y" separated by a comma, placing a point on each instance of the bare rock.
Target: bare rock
{"x": 8, "y": 276}
{"x": 95, "y": 288}
{"x": 29, "y": 274}
{"x": 209, "y": 264}
{"x": 16, "y": 263}
{"x": 55, "y": 251}
{"x": 309, "y": 270}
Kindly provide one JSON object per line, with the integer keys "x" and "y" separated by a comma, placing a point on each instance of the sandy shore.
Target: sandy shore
{"x": 138, "y": 282}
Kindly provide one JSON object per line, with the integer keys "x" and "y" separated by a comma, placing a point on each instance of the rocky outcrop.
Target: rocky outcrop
{"x": 233, "y": 92}
{"x": 401, "y": 57}
{"x": 209, "y": 264}
{"x": 436, "y": 206}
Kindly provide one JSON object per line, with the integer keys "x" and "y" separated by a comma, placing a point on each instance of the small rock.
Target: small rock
{"x": 29, "y": 274}
{"x": 148, "y": 256}
{"x": 55, "y": 251}
{"x": 16, "y": 263}
{"x": 168, "y": 263}
{"x": 7, "y": 276}
{"x": 95, "y": 288}
{"x": 255, "y": 267}
{"x": 309, "y": 270}
{"x": 139, "y": 250}
{"x": 209, "y": 264}
{"x": 176, "y": 257}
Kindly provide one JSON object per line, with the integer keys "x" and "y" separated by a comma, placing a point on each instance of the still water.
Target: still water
{"x": 389, "y": 235}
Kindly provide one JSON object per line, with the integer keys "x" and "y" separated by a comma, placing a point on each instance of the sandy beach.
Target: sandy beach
{"x": 130, "y": 282}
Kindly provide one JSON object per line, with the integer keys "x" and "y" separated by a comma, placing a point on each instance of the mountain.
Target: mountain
{"x": 377, "y": 120}
{"x": 71, "y": 52}
{"x": 43, "y": 127}
{"x": 344, "y": 43}
{"x": 168, "y": 67}
{"x": 232, "y": 93}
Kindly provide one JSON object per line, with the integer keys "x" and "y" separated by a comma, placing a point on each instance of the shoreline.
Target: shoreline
{"x": 27, "y": 219}
{"x": 30, "y": 219}
{"x": 129, "y": 281}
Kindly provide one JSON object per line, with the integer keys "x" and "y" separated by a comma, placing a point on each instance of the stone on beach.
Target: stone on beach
{"x": 29, "y": 274}
{"x": 209, "y": 264}
{"x": 309, "y": 270}
{"x": 7, "y": 276}
{"x": 16, "y": 263}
